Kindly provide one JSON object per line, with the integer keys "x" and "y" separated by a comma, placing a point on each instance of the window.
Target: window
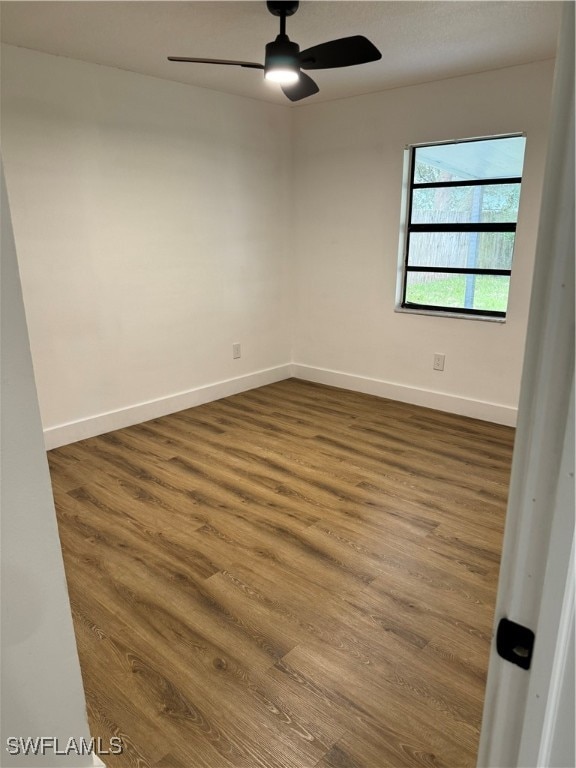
{"x": 460, "y": 225}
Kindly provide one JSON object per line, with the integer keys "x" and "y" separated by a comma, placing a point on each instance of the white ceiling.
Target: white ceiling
{"x": 420, "y": 41}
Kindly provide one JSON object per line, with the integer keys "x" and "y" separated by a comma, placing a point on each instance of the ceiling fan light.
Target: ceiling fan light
{"x": 282, "y": 64}
{"x": 282, "y": 75}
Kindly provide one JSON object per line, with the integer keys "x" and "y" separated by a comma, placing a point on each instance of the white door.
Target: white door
{"x": 529, "y": 714}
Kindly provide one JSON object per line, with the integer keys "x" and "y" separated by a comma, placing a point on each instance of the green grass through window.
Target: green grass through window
{"x": 490, "y": 292}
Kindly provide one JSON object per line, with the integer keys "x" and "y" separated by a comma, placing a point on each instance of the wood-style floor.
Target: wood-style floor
{"x": 294, "y": 577}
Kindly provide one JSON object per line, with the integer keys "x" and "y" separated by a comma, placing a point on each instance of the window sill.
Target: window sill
{"x": 456, "y": 315}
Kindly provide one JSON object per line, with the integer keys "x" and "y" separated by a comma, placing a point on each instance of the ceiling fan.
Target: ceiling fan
{"x": 284, "y": 61}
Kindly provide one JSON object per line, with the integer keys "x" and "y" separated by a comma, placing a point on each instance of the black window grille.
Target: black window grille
{"x": 461, "y": 225}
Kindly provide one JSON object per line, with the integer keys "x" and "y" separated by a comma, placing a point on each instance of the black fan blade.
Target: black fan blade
{"x": 302, "y": 88}
{"x": 345, "y": 52}
{"x": 249, "y": 64}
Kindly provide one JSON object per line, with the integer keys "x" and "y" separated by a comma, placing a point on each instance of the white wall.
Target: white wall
{"x": 150, "y": 220}
{"x": 42, "y": 692}
{"x": 158, "y": 223}
{"x": 348, "y": 179}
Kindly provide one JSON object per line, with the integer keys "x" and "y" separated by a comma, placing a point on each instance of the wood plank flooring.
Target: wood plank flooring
{"x": 294, "y": 577}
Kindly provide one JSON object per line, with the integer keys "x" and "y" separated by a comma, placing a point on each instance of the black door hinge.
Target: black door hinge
{"x": 515, "y": 643}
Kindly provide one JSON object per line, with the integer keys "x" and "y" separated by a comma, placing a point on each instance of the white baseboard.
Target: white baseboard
{"x": 440, "y": 401}
{"x": 63, "y": 434}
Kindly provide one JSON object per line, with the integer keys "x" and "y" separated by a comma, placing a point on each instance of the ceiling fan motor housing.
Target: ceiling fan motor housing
{"x": 282, "y": 53}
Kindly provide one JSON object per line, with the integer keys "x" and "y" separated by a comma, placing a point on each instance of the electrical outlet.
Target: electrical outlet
{"x": 438, "y": 364}
{"x": 235, "y": 351}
